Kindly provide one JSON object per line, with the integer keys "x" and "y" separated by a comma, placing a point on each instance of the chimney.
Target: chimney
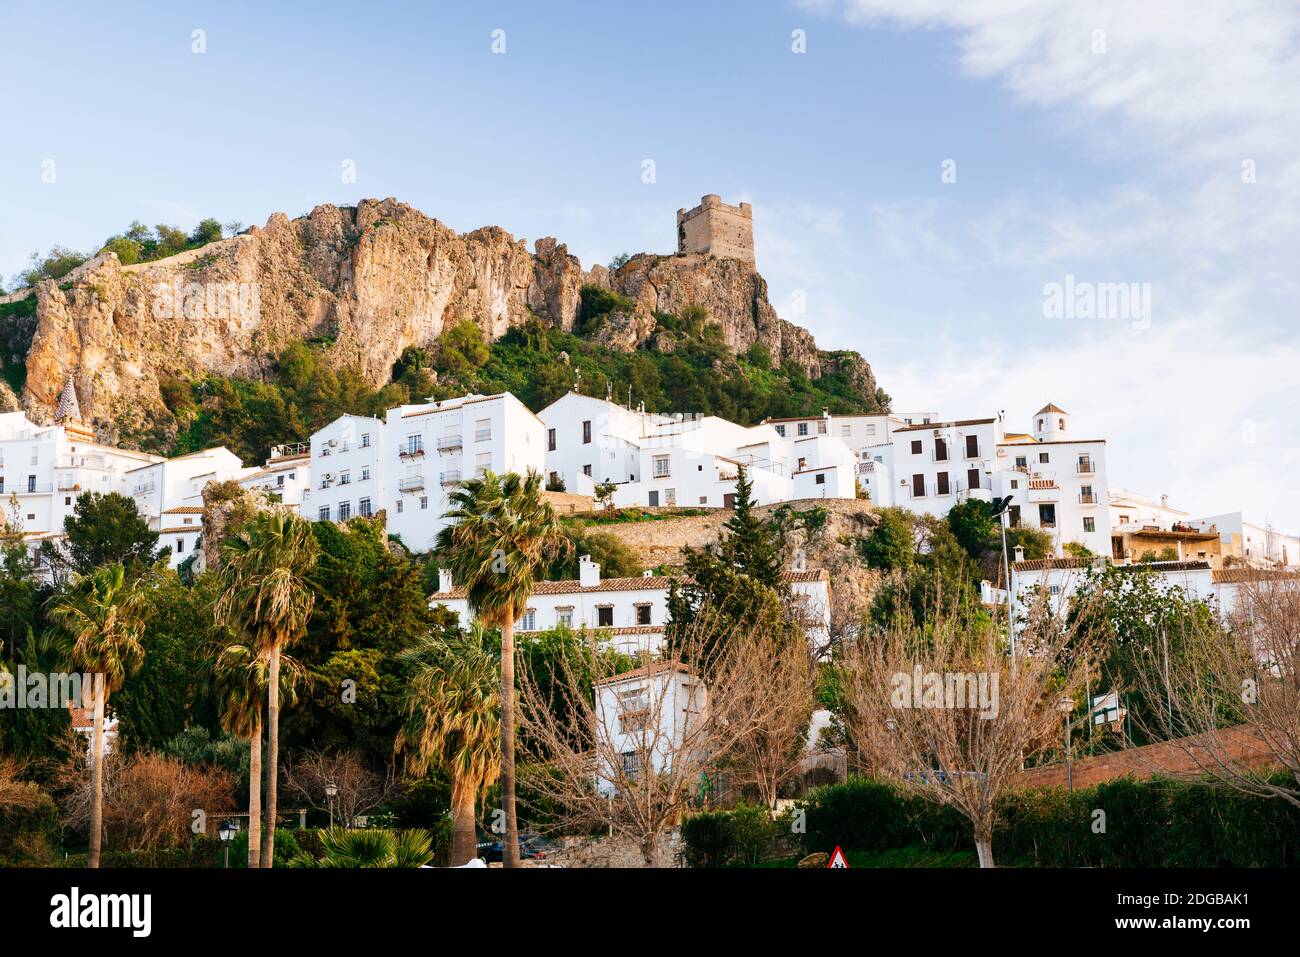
{"x": 1020, "y": 553}
{"x": 444, "y": 580}
{"x": 588, "y": 572}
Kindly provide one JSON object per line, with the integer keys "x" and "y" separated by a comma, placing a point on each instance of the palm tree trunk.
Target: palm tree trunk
{"x": 464, "y": 837}
{"x": 510, "y": 850}
{"x": 272, "y": 754}
{"x": 255, "y": 796}
{"x": 97, "y": 773}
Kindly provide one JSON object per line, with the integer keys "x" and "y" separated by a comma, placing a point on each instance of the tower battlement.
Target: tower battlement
{"x": 717, "y": 229}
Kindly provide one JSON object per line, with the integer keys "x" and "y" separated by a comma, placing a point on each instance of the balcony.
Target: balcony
{"x": 449, "y": 442}
{"x": 412, "y": 483}
{"x": 1085, "y": 468}
{"x": 411, "y": 451}
{"x": 450, "y": 477}
{"x": 1087, "y": 499}
{"x": 148, "y": 488}
{"x": 483, "y": 435}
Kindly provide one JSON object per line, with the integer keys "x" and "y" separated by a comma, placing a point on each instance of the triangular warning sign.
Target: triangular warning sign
{"x": 837, "y": 859}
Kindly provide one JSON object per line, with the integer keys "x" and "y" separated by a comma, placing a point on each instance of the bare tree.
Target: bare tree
{"x": 360, "y": 790}
{"x": 785, "y": 676}
{"x": 1231, "y": 695}
{"x": 943, "y": 711}
{"x": 627, "y": 751}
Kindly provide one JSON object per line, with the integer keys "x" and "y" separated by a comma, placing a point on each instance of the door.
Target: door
{"x": 654, "y": 498}
{"x": 729, "y": 500}
{"x": 973, "y": 478}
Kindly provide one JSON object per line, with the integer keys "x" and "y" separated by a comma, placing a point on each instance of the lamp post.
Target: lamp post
{"x": 1067, "y": 706}
{"x": 1000, "y": 506}
{"x": 331, "y": 789}
{"x": 227, "y": 833}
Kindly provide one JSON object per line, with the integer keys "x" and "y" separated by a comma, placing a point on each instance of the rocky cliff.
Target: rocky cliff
{"x": 371, "y": 280}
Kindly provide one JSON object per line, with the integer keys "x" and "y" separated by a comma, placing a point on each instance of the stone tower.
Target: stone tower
{"x": 716, "y": 229}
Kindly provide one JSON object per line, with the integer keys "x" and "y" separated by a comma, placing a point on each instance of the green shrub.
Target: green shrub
{"x": 743, "y": 836}
{"x": 29, "y": 833}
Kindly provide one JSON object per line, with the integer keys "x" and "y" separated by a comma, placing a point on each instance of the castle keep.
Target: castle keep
{"x": 717, "y": 229}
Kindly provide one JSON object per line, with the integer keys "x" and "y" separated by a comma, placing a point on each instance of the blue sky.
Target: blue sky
{"x": 1118, "y": 161}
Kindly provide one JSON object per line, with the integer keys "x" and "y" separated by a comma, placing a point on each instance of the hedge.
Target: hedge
{"x": 1121, "y": 823}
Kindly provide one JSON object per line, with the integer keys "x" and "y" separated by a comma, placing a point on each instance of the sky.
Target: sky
{"x": 924, "y": 176}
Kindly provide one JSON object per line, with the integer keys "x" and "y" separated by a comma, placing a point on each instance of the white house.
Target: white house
{"x": 647, "y": 716}
{"x": 406, "y": 463}
{"x": 1056, "y": 482}
{"x": 1061, "y": 578}
{"x": 1254, "y": 544}
{"x": 170, "y": 495}
{"x": 657, "y": 459}
{"x": 631, "y": 612}
{"x": 286, "y": 475}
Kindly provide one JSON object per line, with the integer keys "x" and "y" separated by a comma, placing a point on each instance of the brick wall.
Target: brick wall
{"x": 1242, "y": 744}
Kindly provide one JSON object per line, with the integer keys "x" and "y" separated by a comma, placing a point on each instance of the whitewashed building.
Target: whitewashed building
{"x": 408, "y": 462}
{"x": 646, "y": 716}
{"x": 1061, "y": 578}
{"x": 631, "y": 613}
{"x": 657, "y": 459}
{"x": 1056, "y": 482}
{"x": 286, "y": 476}
{"x": 1254, "y": 544}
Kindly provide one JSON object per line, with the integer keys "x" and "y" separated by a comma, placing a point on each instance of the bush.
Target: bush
{"x": 741, "y": 837}
{"x": 28, "y": 828}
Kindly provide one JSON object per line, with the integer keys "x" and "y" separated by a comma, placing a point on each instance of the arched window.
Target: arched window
{"x": 1040, "y": 425}
{"x": 1062, "y": 425}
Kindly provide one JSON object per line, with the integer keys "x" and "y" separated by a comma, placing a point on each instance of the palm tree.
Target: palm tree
{"x": 503, "y": 534}
{"x": 101, "y": 618}
{"x": 453, "y": 718}
{"x": 266, "y": 596}
{"x": 241, "y": 688}
{"x": 371, "y": 848}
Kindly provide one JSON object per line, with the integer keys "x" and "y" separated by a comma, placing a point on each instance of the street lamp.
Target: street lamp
{"x": 1067, "y": 706}
{"x": 227, "y": 833}
{"x": 1000, "y": 506}
{"x": 331, "y": 789}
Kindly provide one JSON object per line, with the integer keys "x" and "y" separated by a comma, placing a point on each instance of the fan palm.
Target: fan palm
{"x": 371, "y": 848}
{"x": 502, "y": 536}
{"x": 266, "y": 596}
{"x": 453, "y": 719}
{"x": 241, "y": 688}
{"x": 100, "y": 620}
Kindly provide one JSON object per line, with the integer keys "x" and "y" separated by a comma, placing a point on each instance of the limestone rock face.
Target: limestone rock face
{"x": 371, "y": 280}
{"x": 8, "y": 401}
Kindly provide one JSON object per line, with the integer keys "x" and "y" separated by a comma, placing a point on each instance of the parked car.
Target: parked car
{"x": 532, "y": 847}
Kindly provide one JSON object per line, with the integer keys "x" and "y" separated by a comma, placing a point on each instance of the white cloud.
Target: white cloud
{"x": 1198, "y": 404}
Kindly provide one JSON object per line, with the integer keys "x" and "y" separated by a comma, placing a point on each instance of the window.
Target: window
{"x": 916, "y": 446}
{"x": 1022, "y": 462}
{"x": 529, "y": 621}
{"x": 564, "y": 616}
{"x": 704, "y": 500}
{"x": 631, "y": 760}
{"x": 363, "y": 507}
{"x": 918, "y": 486}
{"x": 482, "y": 430}
{"x": 803, "y": 428}
{"x": 414, "y": 444}
{"x": 670, "y": 496}
{"x": 1015, "y": 483}
{"x": 1085, "y": 464}
{"x": 31, "y": 483}
{"x": 940, "y": 450}
{"x": 643, "y": 614}
{"x": 2, "y": 484}
{"x": 180, "y": 545}
{"x": 323, "y": 514}
{"x": 345, "y": 478}
{"x": 67, "y": 500}
{"x": 846, "y": 431}
{"x": 1044, "y": 458}
{"x": 424, "y": 502}
{"x": 1053, "y": 589}
{"x": 821, "y": 478}
{"x": 821, "y": 426}
{"x": 1089, "y": 523}
{"x": 399, "y": 506}
{"x": 803, "y": 463}
{"x": 780, "y": 430}
{"x": 550, "y": 440}
{"x": 972, "y": 446}
{"x": 345, "y": 511}
{"x": 942, "y": 483}
{"x": 1085, "y": 494}
{"x": 605, "y": 616}
{"x": 586, "y": 470}
{"x": 973, "y": 478}
{"x": 365, "y": 440}
{"x": 662, "y": 466}
{"x": 279, "y": 480}
{"x": 482, "y": 464}
{"x": 871, "y": 428}
{"x": 586, "y": 432}
{"x": 1047, "y": 515}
